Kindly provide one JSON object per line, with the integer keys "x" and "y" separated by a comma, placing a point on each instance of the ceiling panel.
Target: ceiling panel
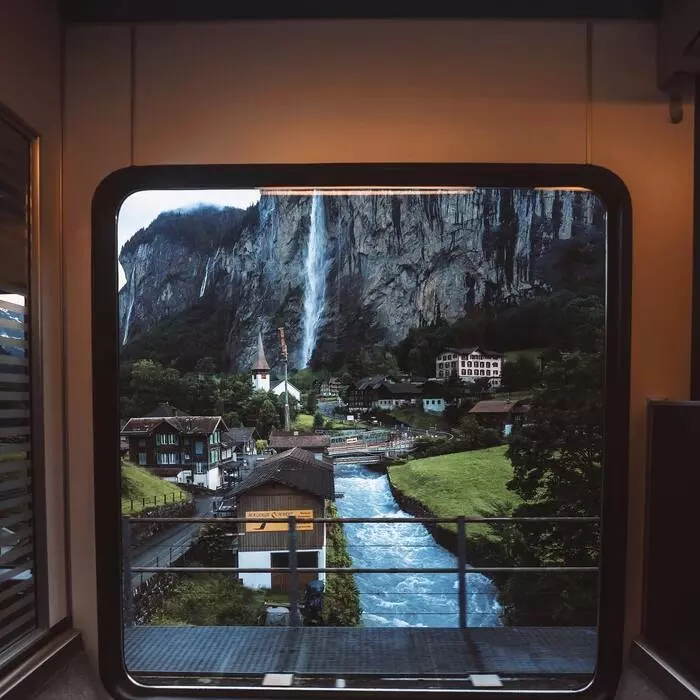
{"x": 212, "y": 10}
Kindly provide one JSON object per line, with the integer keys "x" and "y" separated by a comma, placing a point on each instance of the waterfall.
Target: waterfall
{"x": 132, "y": 294}
{"x": 207, "y": 269}
{"x": 316, "y": 268}
{"x": 410, "y": 599}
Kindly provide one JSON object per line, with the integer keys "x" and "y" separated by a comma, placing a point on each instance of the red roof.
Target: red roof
{"x": 286, "y": 441}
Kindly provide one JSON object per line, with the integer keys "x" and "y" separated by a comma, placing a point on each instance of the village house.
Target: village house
{"x": 290, "y": 483}
{"x": 470, "y": 364}
{"x": 380, "y": 391}
{"x": 293, "y": 392}
{"x": 332, "y": 387}
{"x": 281, "y": 441}
{"x": 243, "y": 441}
{"x": 183, "y": 449}
{"x": 435, "y": 397}
{"x": 391, "y": 395}
{"x": 500, "y": 414}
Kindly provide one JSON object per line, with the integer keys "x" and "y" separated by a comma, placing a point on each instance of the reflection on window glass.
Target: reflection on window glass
{"x": 386, "y": 357}
{"x": 17, "y": 532}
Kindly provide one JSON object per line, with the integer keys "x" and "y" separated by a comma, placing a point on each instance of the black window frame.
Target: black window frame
{"x": 107, "y": 200}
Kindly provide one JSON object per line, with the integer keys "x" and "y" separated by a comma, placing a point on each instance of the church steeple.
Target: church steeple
{"x": 261, "y": 369}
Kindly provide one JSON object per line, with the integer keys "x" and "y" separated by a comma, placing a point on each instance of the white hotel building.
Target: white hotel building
{"x": 469, "y": 364}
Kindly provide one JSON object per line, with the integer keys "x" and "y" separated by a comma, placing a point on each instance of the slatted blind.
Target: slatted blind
{"x": 17, "y": 569}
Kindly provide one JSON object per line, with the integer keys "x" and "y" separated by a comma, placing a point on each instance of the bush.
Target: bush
{"x": 341, "y": 600}
{"x": 209, "y": 600}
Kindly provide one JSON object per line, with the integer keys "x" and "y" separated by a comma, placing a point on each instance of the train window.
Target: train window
{"x": 22, "y": 581}
{"x": 396, "y": 526}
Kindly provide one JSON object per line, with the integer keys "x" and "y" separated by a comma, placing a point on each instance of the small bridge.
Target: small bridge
{"x": 358, "y": 459}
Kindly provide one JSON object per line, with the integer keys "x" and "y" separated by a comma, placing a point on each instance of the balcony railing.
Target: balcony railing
{"x": 294, "y": 570}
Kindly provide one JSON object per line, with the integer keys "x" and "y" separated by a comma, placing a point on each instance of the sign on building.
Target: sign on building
{"x": 277, "y": 514}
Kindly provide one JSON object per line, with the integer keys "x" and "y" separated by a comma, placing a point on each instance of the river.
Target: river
{"x": 403, "y": 600}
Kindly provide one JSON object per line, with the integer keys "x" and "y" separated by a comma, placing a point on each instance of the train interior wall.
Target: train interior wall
{"x": 351, "y": 91}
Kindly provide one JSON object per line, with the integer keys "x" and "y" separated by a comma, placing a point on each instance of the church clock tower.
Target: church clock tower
{"x": 260, "y": 369}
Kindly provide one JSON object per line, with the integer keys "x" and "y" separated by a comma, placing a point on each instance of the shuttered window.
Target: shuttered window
{"x": 18, "y": 612}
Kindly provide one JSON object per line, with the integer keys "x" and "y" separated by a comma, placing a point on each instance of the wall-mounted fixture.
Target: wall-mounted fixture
{"x": 678, "y": 52}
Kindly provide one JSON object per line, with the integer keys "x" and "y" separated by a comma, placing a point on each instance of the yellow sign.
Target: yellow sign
{"x": 276, "y": 514}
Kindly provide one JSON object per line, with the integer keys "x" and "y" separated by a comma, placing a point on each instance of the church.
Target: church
{"x": 261, "y": 375}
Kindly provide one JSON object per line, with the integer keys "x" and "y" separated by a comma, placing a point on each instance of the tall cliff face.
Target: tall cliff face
{"x": 393, "y": 262}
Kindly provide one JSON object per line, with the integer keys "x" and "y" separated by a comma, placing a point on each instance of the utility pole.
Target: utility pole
{"x": 283, "y": 345}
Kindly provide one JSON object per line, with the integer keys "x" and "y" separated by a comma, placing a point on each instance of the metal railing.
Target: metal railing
{"x": 293, "y": 570}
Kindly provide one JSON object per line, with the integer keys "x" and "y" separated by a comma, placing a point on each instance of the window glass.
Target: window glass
{"x": 19, "y": 529}
{"x": 307, "y": 286}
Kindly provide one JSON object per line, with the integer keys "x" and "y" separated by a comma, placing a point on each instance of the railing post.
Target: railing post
{"x": 293, "y": 574}
{"x": 126, "y": 574}
{"x": 462, "y": 567}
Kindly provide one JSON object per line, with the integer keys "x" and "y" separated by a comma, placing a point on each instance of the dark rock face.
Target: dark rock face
{"x": 394, "y": 262}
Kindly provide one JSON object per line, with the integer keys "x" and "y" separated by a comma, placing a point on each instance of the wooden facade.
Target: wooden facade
{"x": 276, "y": 497}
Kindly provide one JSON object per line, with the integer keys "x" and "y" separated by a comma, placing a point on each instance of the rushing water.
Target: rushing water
{"x": 412, "y": 599}
{"x": 207, "y": 269}
{"x": 316, "y": 268}
{"x": 132, "y": 294}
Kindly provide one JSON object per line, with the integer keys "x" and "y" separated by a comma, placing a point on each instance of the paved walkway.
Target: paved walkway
{"x": 167, "y": 546}
{"x": 360, "y": 651}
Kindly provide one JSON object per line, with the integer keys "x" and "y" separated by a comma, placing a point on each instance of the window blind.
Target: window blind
{"x": 17, "y": 564}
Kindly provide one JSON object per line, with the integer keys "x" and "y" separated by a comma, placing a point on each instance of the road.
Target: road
{"x": 165, "y": 547}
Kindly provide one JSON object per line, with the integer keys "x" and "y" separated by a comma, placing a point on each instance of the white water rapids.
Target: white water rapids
{"x": 316, "y": 269}
{"x": 411, "y": 599}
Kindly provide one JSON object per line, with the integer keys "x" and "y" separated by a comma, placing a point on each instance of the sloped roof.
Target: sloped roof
{"x": 297, "y": 469}
{"x": 282, "y": 441}
{"x": 240, "y": 435}
{"x": 402, "y": 388}
{"x": 260, "y": 361}
{"x": 373, "y": 382}
{"x": 186, "y": 425}
{"x": 165, "y": 410}
{"x": 290, "y": 386}
{"x": 469, "y": 351}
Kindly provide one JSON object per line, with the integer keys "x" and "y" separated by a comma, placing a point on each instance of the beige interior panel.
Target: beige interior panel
{"x": 375, "y": 91}
{"x": 353, "y": 91}
{"x": 30, "y": 86}
{"x": 96, "y": 142}
{"x": 632, "y": 135}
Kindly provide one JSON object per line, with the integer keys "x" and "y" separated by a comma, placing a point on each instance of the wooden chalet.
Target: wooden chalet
{"x": 184, "y": 449}
{"x": 290, "y": 483}
{"x": 497, "y": 413}
{"x": 282, "y": 441}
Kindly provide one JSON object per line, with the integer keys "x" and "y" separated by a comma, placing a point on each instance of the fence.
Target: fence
{"x": 294, "y": 571}
{"x": 132, "y": 505}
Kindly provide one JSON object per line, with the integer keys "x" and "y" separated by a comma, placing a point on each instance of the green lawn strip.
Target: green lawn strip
{"x": 304, "y": 421}
{"x": 462, "y": 483}
{"x": 139, "y": 484}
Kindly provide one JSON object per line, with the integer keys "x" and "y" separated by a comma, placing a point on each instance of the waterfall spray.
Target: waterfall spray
{"x": 316, "y": 268}
{"x": 207, "y": 269}
{"x": 132, "y": 294}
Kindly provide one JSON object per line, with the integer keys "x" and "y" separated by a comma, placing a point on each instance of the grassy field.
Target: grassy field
{"x": 138, "y": 484}
{"x": 304, "y": 422}
{"x": 462, "y": 483}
